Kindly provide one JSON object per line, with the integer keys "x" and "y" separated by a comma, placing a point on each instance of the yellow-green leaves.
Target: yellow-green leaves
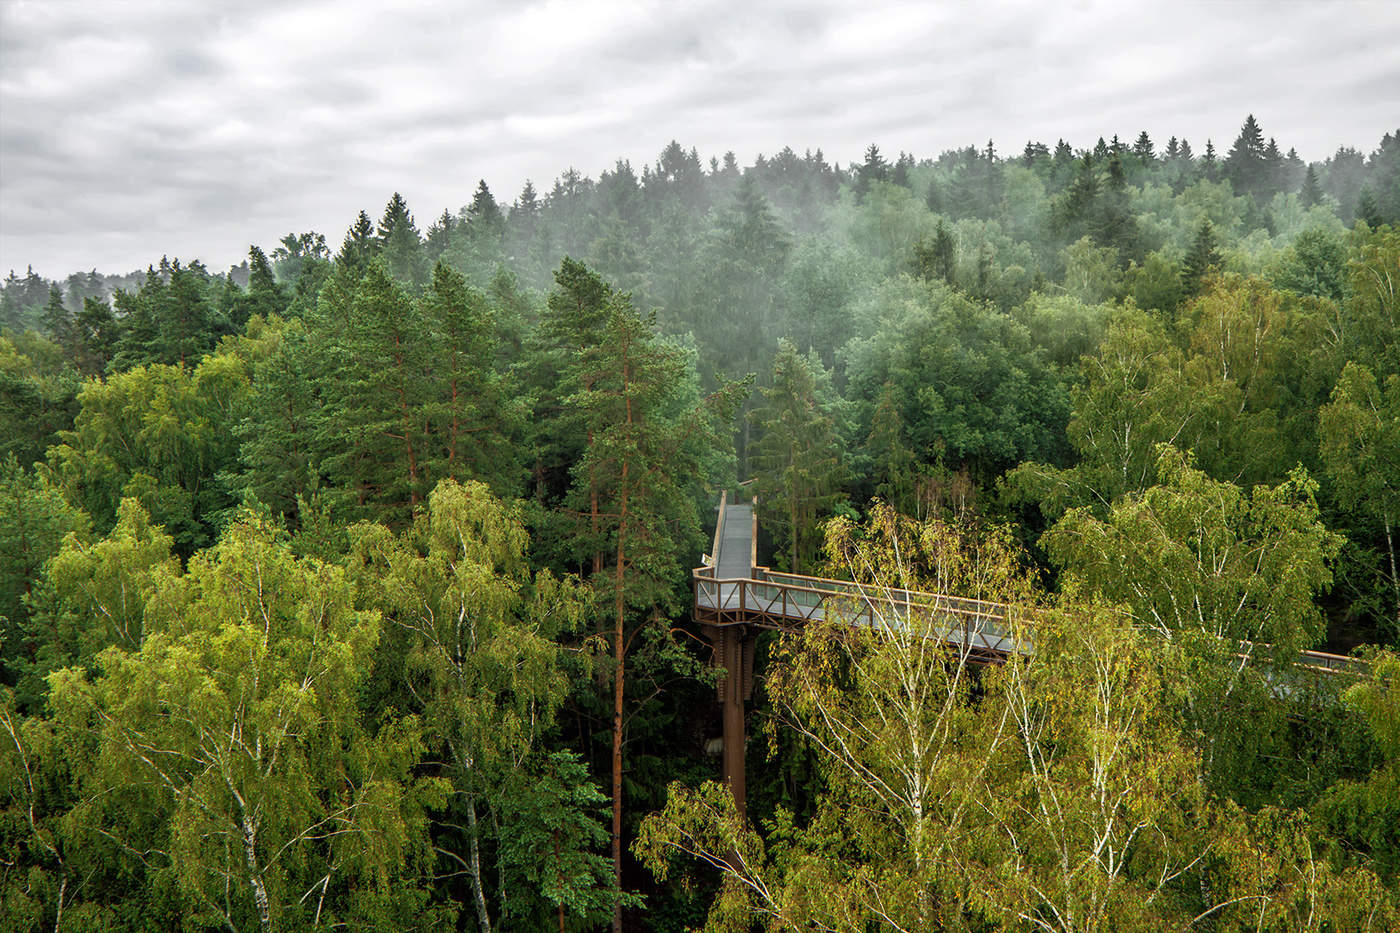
{"x": 1192, "y": 555}
{"x": 229, "y": 748}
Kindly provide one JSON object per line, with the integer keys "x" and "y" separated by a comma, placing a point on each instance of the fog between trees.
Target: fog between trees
{"x": 350, "y": 587}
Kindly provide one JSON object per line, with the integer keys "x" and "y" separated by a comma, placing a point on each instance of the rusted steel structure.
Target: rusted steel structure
{"x": 735, "y": 598}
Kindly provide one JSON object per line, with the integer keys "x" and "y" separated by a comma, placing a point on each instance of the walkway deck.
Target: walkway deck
{"x": 732, "y": 590}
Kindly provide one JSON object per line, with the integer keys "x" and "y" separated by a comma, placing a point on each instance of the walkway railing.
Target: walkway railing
{"x": 786, "y": 601}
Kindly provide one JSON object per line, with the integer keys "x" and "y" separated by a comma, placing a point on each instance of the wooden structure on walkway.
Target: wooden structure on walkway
{"x": 735, "y": 599}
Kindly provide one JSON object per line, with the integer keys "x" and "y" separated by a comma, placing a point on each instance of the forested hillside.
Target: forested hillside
{"x": 350, "y": 588}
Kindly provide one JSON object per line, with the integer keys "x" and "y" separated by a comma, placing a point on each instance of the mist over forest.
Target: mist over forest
{"x": 350, "y": 587}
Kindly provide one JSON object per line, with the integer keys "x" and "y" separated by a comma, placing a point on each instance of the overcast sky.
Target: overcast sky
{"x": 134, "y": 128}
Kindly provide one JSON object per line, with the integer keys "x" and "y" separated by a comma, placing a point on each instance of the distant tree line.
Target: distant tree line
{"x": 349, "y": 587}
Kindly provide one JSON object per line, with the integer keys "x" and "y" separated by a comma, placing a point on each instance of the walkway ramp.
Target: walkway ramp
{"x": 733, "y": 591}
{"x": 734, "y": 556}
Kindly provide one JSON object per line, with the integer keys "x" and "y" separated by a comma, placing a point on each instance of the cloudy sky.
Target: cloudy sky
{"x": 135, "y": 128}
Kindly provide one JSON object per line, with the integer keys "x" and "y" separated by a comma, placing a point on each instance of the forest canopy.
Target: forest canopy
{"x": 350, "y": 587}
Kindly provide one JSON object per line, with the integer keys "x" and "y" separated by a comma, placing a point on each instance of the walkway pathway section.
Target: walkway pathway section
{"x": 733, "y": 591}
{"x": 735, "y": 558}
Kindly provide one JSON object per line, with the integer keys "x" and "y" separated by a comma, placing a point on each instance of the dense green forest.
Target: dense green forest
{"x": 350, "y": 588}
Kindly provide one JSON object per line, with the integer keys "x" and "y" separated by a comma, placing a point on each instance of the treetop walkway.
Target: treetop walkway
{"x": 734, "y": 597}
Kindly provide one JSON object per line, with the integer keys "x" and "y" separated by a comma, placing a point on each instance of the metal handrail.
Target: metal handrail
{"x": 783, "y": 600}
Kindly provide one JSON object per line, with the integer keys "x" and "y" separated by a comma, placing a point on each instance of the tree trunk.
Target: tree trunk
{"x": 619, "y": 657}
{"x": 452, "y": 433}
{"x": 483, "y": 919}
{"x": 559, "y": 877}
{"x": 619, "y": 671}
{"x": 255, "y": 882}
{"x": 1394, "y": 578}
{"x": 63, "y": 889}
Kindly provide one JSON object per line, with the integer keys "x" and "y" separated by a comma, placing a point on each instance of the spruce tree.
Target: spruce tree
{"x": 1367, "y": 211}
{"x": 1273, "y": 168}
{"x": 1210, "y": 165}
{"x": 95, "y": 332}
{"x": 372, "y": 441}
{"x": 55, "y": 318}
{"x": 399, "y": 242}
{"x": 1142, "y": 148}
{"x": 1201, "y": 259}
{"x": 484, "y": 214}
{"x": 438, "y": 236}
{"x": 1310, "y": 194}
{"x": 797, "y": 459}
{"x": 278, "y": 429}
{"x": 873, "y": 169}
{"x": 1245, "y": 164}
{"x": 359, "y": 246}
{"x": 526, "y": 213}
{"x": 264, "y": 296}
{"x": 475, "y": 422}
{"x": 936, "y": 259}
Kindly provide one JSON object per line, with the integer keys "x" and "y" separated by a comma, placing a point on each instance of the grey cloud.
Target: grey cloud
{"x": 134, "y": 129}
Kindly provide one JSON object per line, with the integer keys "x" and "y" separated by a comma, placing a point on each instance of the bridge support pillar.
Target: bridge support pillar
{"x": 734, "y": 646}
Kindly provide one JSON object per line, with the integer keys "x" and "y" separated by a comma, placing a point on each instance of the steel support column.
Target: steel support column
{"x": 734, "y": 646}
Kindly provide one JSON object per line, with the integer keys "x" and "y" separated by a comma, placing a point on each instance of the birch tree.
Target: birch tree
{"x": 229, "y": 758}
{"x": 477, "y": 642}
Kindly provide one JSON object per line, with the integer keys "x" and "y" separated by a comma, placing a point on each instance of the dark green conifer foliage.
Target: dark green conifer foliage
{"x": 1385, "y": 177}
{"x": 1245, "y": 163}
{"x": 651, "y": 444}
{"x": 1073, "y": 208}
{"x": 1201, "y": 259}
{"x": 171, "y": 318}
{"x": 936, "y": 258}
{"x": 574, "y": 317}
{"x": 526, "y": 211}
{"x": 439, "y": 236}
{"x": 55, "y": 319}
{"x": 1210, "y": 165}
{"x": 893, "y": 464}
{"x": 264, "y": 296}
{"x": 743, "y": 260}
{"x": 94, "y": 336}
{"x": 21, "y": 300}
{"x": 899, "y": 175}
{"x": 1273, "y": 170}
{"x": 1291, "y": 174}
{"x": 1367, "y": 210}
{"x": 360, "y": 245}
{"x": 373, "y": 440}
{"x": 279, "y": 426}
{"x": 1116, "y": 224}
{"x": 873, "y": 169}
{"x": 37, "y": 396}
{"x": 475, "y": 421}
{"x": 1310, "y": 194}
{"x": 1143, "y": 149}
{"x": 484, "y": 214}
{"x": 399, "y": 242}
{"x": 797, "y": 458}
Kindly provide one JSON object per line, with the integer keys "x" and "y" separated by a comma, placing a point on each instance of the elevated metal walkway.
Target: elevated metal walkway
{"x": 734, "y": 597}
